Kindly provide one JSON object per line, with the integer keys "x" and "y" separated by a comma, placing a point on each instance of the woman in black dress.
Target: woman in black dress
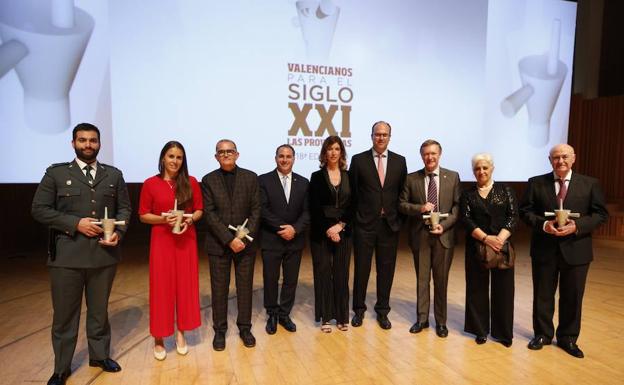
{"x": 489, "y": 211}
{"x": 330, "y": 235}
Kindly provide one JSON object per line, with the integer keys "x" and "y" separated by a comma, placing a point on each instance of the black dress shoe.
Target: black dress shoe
{"x": 418, "y": 327}
{"x": 571, "y": 348}
{"x": 383, "y": 321}
{"x": 441, "y": 331}
{"x": 248, "y": 339}
{"x": 287, "y": 323}
{"x": 107, "y": 365}
{"x": 218, "y": 342}
{"x": 538, "y": 342}
{"x": 480, "y": 340}
{"x": 505, "y": 343}
{"x": 271, "y": 325}
{"x": 58, "y": 379}
{"x": 356, "y": 321}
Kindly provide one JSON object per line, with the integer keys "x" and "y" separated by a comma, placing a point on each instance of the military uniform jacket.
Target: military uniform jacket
{"x": 64, "y": 196}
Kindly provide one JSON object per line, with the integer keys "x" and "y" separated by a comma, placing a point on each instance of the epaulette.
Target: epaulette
{"x": 53, "y": 165}
{"x": 104, "y": 165}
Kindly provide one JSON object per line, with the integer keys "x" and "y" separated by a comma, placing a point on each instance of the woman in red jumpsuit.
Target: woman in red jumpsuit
{"x": 174, "y": 286}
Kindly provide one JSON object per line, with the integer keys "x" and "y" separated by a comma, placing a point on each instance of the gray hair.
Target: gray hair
{"x": 482, "y": 156}
{"x": 225, "y": 141}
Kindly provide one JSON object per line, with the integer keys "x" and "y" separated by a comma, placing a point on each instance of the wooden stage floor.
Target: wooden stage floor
{"x": 365, "y": 355}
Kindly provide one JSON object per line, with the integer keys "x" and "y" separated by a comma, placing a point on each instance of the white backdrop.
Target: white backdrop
{"x": 198, "y": 71}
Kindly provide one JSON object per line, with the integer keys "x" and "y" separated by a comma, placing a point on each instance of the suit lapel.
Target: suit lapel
{"x": 76, "y": 172}
{"x": 277, "y": 181}
{"x": 372, "y": 167}
{"x": 551, "y": 192}
{"x": 420, "y": 185}
{"x": 100, "y": 174}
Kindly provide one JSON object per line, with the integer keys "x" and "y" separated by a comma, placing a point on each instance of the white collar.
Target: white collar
{"x": 82, "y": 164}
{"x": 567, "y": 177}
{"x": 281, "y": 176}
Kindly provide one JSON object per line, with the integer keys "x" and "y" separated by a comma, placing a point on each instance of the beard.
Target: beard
{"x": 85, "y": 156}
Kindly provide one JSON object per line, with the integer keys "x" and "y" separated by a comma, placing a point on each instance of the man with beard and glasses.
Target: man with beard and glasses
{"x": 69, "y": 198}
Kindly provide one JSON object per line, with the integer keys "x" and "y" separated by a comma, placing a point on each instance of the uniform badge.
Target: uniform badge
{"x": 68, "y": 182}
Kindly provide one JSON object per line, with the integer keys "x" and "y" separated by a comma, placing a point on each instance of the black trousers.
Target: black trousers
{"x": 67, "y": 286}
{"x": 383, "y": 242}
{"x": 220, "y": 267}
{"x": 330, "y": 262}
{"x": 289, "y": 261}
{"x": 571, "y": 280}
{"x": 479, "y": 300}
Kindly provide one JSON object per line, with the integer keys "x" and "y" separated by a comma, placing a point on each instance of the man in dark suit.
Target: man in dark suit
{"x": 431, "y": 190}
{"x": 285, "y": 218}
{"x": 69, "y": 198}
{"x": 231, "y": 197}
{"x": 377, "y": 177}
{"x": 561, "y": 253}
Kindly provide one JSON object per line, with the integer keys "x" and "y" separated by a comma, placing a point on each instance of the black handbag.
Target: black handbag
{"x": 503, "y": 259}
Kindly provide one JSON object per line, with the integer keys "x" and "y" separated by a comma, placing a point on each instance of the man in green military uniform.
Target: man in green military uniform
{"x": 69, "y": 198}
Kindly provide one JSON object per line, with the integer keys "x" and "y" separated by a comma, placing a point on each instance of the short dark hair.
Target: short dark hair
{"x": 85, "y": 127}
{"x": 329, "y": 141}
{"x": 285, "y": 146}
{"x": 430, "y": 142}
{"x": 381, "y": 122}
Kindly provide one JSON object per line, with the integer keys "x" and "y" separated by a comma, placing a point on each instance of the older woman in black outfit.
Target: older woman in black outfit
{"x": 490, "y": 213}
{"x": 330, "y": 235}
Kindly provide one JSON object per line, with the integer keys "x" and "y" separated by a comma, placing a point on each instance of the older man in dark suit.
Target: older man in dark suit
{"x": 561, "y": 253}
{"x": 69, "y": 199}
{"x": 376, "y": 177}
{"x": 432, "y": 189}
{"x": 231, "y": 198}
{"x": 285, "y": 218}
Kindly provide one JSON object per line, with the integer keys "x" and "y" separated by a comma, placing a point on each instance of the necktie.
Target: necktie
{"x": 432, "y": 192}
{"x": 285, "y": 185}
{"x": 87, "y": 170}
{"x": 563, "y": 190}
{"x": 380, "y": 169}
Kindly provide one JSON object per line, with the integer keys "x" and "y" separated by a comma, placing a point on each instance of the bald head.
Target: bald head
{"x": 562, "y": 147}
{"x": 562, "y": 158}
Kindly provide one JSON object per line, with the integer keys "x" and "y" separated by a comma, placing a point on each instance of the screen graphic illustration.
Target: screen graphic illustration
{"x": 44, "y": 42}
{"x": 542, "y": 77}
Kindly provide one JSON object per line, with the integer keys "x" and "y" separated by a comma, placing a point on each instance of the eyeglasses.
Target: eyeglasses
{"x": 228, "y": 152}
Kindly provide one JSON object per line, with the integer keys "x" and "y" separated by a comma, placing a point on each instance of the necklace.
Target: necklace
{"x": 484, "y": 188}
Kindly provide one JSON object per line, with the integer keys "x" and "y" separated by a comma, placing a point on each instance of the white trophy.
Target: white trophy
{"x": 562, "y": 215}
{"x": 433, "y": 218}
{"x": 317, "y": 20}
{"x": 179, "y": 214}
{"x": 44, "y": 40}
{"x": 542, "y": 77}
{"x": 242, "y": 231}
{"x": 108, "y": 224}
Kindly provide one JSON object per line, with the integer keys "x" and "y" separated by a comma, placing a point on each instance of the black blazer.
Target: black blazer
{"x": 328, "y": 207}
{"x": 276, "y": 212}
{"x": 64, "y": 196}
{"x": 368, "y": 195}
{"x": 584, "y": 196}
{"x": 221, "y": 210}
